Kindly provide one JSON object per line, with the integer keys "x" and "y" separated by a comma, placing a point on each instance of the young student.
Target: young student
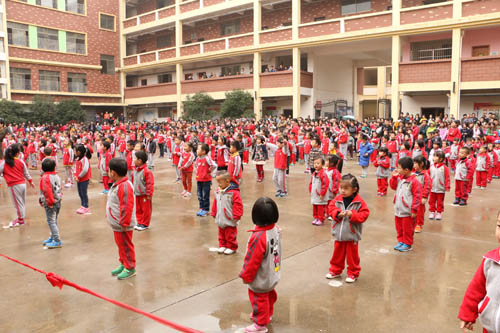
{"x": 473, "y": 161}
{"x": 103, "y": 164}
{"x": 120, "y": 213}
{"x": 227, "y": 209}
{"x": 440, "y": 176}
{"x": 50, "y": 200}
{"x": 68, "y": 161}
{"x": 496, "y": 173}
{"x": 15, "y": 172}
{"x": 144, "y": 184}
{"x": 186, "y": 168}
{"x": 482, "y": 167}
{"x": 280, "y": 163}
{"x": 176, "y": 156}
{"x": 365, "y": 149}
{"x": 318, "y": 187}
{"x": 493, "y": 161}
{"x": 404, "y": 151}
{"x": 383, "y": 165}
{"x": 463, "y": 170}
{"x": 129, "y": 157}
{"x": 205, "y": 167}
{"x": 307, "y": 150}
{"x": 262, "y": 264}
{"x": 454, "y": 148}
{"x": 421, "y": 166}
{"x": 333, "y": 165}
{"x": 234, "y": 166}
{"x": 393, "y": 147}
{"x": 259, "y": 157}
{"x": 314, "y": 153}
{"x": 419, "y": 149}
{"x": 348, "y": 211}
{"x": 83, "y": 173}
{"x": 222, "y": 154}
{"x": 481, "y": 298}
{"x": 407, "y": 199}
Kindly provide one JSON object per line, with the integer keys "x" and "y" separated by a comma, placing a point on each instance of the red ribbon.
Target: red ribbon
{"x": 58, "y": 281}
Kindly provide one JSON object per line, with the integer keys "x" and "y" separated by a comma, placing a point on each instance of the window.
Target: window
{"x": 164, "y": 78}
{"x": 47, "y": 3}
{"x": 163, "y": 3}
{"x": 481, "y": 51}
{"x": 355, "y": 6}
{"x": 431, "y": 50}
{"x": 321, "y": 18}
{"x": 18, "y": 34}
{"x": 230, "y": 70}
{"x": 163, "y": 41}
{"x": 107, "y": 22}
{"x": 20, "y": 78}
{"x": 48, "y": 39}
{"x": 50, "y": 81}
{"x": 165, "y": 112}
{"x": 132, "y": 81}
{"x": 144, "y": 82}
{"x": 108, "y": 64}
{"x": 77, "y": 82}
{"x": 75, "y": 6}
{"x": 230, "y": 28}
{"x": 75, "y": 43}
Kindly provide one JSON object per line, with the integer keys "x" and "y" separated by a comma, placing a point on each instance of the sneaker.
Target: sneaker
{"x": 350, "y": 279}
{"x": 418, "y": 229}
{"x": 125, "y": 274}
{"x": 67, "y": 185}
{"x": 54, "y": 244}
{"x": 278, "y": 193}
{"x": 199, "y": 212}
{"x": 398, "y": 245}
{"x": 86, "y": 211}
{"x": 314, "y": 222}
{"x": 203, "y": 213}
{"x": 187, "y": 195}
{"x": 431, "y": 215}
{"x": 438, "y": 216}
{"x": 16, "y": 223}
{"x": 456, "y": 202}
{"x": 330, "y": 218}
{"x": 105, "y": 192}
{"x": 331, "y": 275}
{"x": 184, "y": 193}
{"x": 229, "y": 251}
{"x": 140, "y": 227}
{"x": 283, "y": 194}
{"x": 256, "y": 328}
{"x": 319, "y": 223}
{"x": 45, "y": 242}
{"x": 462, "y": 203}
{"x": 80, "y": 210}
{"x": 405, "y": 248}
{"x": 118, "y": 270}
{"x": 363, "y": 176}
{"x": 221, "y": 250}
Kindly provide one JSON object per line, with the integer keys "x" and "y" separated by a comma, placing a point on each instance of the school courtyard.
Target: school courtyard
{"x": 179, "y": 279}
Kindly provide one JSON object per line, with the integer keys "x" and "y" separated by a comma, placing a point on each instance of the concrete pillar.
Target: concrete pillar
{"x": 257, "y": 100}
{"x": 396, "y": 12}
{"x": 457, "y": 9}
{"x": 295, "y": 18}
{"x": 6, "y": 48}
{"x": 455, "y": 73}
{"x": 257, "y": 22}
{"x": 178, "y": 37}
{"x": 296, "y": 82}
{"x": 396, "y": 55}
{"x": 381, "y": 74}
{"x": 178, "y": 78}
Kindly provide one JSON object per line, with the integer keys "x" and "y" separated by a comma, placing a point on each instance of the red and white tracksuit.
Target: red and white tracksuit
{"x": 227, "y": 210}
{"x": 144, "y": 183}
{"x": 440, "y": 176}
{"x": 318, "y": 187}
{"x": 425, "y": 180}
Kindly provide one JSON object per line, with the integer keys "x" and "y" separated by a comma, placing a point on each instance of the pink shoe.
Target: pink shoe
{"x": 314, "y": 222}
{"x": 80, "y": 210}
{"x": 16, "y": 223}
{"x": 256, "y": 328}
{"x": 86, "y": 211}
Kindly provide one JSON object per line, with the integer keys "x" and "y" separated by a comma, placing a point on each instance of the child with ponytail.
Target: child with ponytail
{"x": 83, "y": 174}
{"x": 421, "y": 166}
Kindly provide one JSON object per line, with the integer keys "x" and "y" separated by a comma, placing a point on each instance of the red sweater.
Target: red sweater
{"x": 18, "y": 174}
{"x": 280, "y": 159}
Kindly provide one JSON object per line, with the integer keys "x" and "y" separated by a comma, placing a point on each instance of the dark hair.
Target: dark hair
{"x": 141, "y": 155}
{"x": 265, "y": 212}
{"x": 351, "y": 180}
{"x": 48, "y": 165}
{"x": 467, "y": 149}
{"x": 386, "y": 151}
{"x": 407, "y": 145}
{"x": 422, "y": 161}
{"x": 118, "y": 165}
{"x": 106, "y": 145}
{"x": 204, "y": 147}
{"x": 440, "y": 155}
{"x": 83, "y": 151}
{"x": 190, "y": 145}
{"x": 47, "y": 151}
{"x": 236, "y": 145}
{"x": 320, "y": 159}
{"x": 131, "y": 142}
{"x": 336, "y": 161}
{"x": 10, "y": 153}
{"x": 406, "y": 163}
{"x": 420, "y": 143}
{"x": 2, "y": 121}
{"x": 316, "y": 139}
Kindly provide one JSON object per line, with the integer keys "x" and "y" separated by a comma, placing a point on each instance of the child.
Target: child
{"x": 129, "y": 157}
{"x": 234, "y": 166}
{"x": 482, "y": 167}
{"x": 333, "y": 164}
{"x": 462, "y": 175}
{"x": 348, "y": 211}
{"x": 144, "y": 183}
{"x": 382, "y": 163}
{"x": 493, "y": 161}
{"x": 227, "y": 210}
{"x": 364, "y": 151}
{"x": 405, "y": 150}
{"x": 120, "y": 213}
{"x": 222, "y": 154}
{"x": 454, "y": 148}
{"x": 50, "y": 199}
{"x": 176, "y": 156}
{"x": 186, "y": 168}
{"x": 440, "y": 176}
{"x": 419, "y": 150}
{"x": 261, "y": 268}
{"x": 279, "y": 175}
{"x": 314, "y": 153}
{"x": 307, "y": 150}
{"x": 15, "y": 172}
{"x": 318, "y": 187}
{"x": 260, "y": 156}
{"x": 472, "y": 159}
{"x": 68, "y": 161}
{"x": 83, "y": 173}
{"x": 407, "y": 199}
{"x": 104, "y": 159}
{"x": 393, "y": 147}
{"x": 496, "y": 174}
{"x": 422, "y": 173}
{"x": 204, "y": 169}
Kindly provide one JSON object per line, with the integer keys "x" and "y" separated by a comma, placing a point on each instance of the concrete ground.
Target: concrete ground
{"x": 181, "y": 280}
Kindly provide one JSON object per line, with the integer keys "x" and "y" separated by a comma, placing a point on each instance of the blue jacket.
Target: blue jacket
{"x": 365, "y": 150}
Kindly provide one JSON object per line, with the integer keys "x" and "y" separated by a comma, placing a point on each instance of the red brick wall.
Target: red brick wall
{"x": 167, "y": 54}
{"x": 214, "y": 46}
{"x": 189, "y": 50}
{"x": 240, "y": 41}
{"x": 481, "y": 69}
{"x": 130, "y": 23}
{"x": 480, "y": 7}
{"x": 149, "y": 43}
{"x": 166, "y": 12}
{"x": 332, "y": 9}
{"x": 360, "y": 80}
{"x": 275, "y": 18}
{"x": 212, "y": 30}
{"x": 275, "y": 36}
{"x": 319, "y": 29}
{"x": 147, "y": 18}
{"x": 218, "y": 84}
{"x": 190, "y": 6}
{"x": 207, "y": 3}
{"x": 130, "y": 61}
{"x": 427, "y": 14}
{"x": 144, "y": 7}
{"x": 306, "y": 80}
{"x": 28, "y": 97}
{"x": 151, "y": 91}
{"x": 276, "y": 80}
{"x": 149, "y": 57}
{"x": 368, "y": 23}
{"x": 426, "y": 71}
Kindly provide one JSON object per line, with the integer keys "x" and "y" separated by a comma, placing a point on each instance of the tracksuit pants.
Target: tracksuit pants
{"x": 263, "y": 306}
{"x": 126, "y": 251}
{"x": 342, "y": 251}
{"x": 490, "y": 173}
{"x": 52, "y": 214}
{"x": 105, "y": 182}
{"x": 420, "y": 215}
{"x": 279, "y": 180}
{"x": 453, "y": 164}
{"x": 481, "y": 178}
{"x": 69, "y": 173}
{"x": 143, "y": 210}
{"x": 343, "y": 149}
{"x": 187, "y": 180}
{"x": 18, "y": 196}
{"x": 260, "y": 171}
{"x": 227, "y": 238}
{"x": 319, "y": 212}
{"x": 405, "y": 226}
{"x": 436, "y": 202}
{"x": 382, "y": 185}
{"x": 204, "y": 195}
{"x": 461, "y": 189}
{"x": 82, "y": 193}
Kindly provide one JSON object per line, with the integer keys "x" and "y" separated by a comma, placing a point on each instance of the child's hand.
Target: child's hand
{"x": 32, "y": 185}
{"x": 466, "y": 325}
{"x": 348, "y": 213}
{"x": 424, "y": 201}
{"x": 413, "y": 215}
{"x": 341, "y": 215}
{"x": 366, "y": 155}
{"x": 395, "y": 173}
{"x": 149, "y": 197}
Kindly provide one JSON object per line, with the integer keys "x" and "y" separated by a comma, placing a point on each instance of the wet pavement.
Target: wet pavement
{"x": 179, "y": 279}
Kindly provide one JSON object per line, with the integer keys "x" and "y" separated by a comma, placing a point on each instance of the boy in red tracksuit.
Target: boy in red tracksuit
{"x": 104, "y": 159}
{"x": 144, "y": 183}
{"x": 318, "y": 187}
{"x": 493, "y": 162}
{"x": 383, "y": 163}
{"x": 473, "y": 162}
{"x": 453, "y": 157}
{"x": 120, "y": 215}
{"x": 422, "y": 166}
{"x": 279, "y": 175}
{"x": 262, "y": 264}
{"x": 482, "y": 167}
{"x": 205, "y": 167}
{"x": 407, "y": 199}
{"x": 463, "y": 171}
{"x": 234, "y": 166}
{"x": 227, "y": 210}
{"x": 440, "y": 176}
{"x": 129, "y": 158}
{"x": 393, "y": 147}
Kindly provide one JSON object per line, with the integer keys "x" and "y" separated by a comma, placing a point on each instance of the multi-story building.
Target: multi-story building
{"x": 63, "y": 49}
{"x": 375, "y": 56}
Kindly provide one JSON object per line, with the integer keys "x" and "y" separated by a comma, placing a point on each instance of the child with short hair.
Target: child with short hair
{"x": 68, "y": 161}
{"x": 129, "y": 157}
{"x": 314, "y": 153}
{"x": 383, "y": 165}
{"x": 205, "y": 167}
{"x": 144, "y": 184}
{"x": 280, "y": 164}
{"x": 365, "y": 149}
{"x": 83, "y": 174}
{"x": 348, "y": 211}
{"x": 120, "y": 213}
{"x": 334, "y": 165}
{"x": 50, "y": 200}
{"x": 318, "y": 187}
{"x": 234, "y": 167}
{"x": 482, "y": 167}
{"x": 407, "y": 199}
{"x": 186, "y": 168}
{"x": 421, "y": 166}
{"x": 103, "y": 164}
{"x": 463, "y": 171}
{"x": 440, "y": 176}
{"x": 454, "y": 148}
{"x": 227, "y": 209}
{"x": 176, "y": 156}
{"x": 262, "y": 264}
{"x": 260, "y": 156}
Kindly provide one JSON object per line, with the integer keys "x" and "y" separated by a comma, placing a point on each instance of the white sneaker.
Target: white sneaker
{"x": 67, "y": 185}
{"x": 330, "y": 276}
{"x": 350, "y": 279}
{"x": 221, "y": 250}
{"x": 184, "y": 193}
{"x": 229, "y": 251}
{"x": 431, "y": 216}
{"x": 438, "y": 216}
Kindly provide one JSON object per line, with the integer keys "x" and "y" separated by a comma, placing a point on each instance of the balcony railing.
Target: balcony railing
{"x": 151, "y": 16}
{"x": 481, "y": 69}
{"x": 226, "y": 83}
{"x": 151, "y": 56}
{"x": 218, "y": 44}
{"x": 151, "y": 91}
{"x": 425, "y": 71}
{"x": 431, "y": 54}
{"x": 432, "y": 12}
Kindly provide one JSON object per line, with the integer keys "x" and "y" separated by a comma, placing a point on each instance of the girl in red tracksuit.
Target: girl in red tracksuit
{"x": 482, "y": 167}
{"x": 186, "y": 167}
{"x": 493, "y": 161}
{"x": 421, "y": 166}
{"x": 307, "y": 150}
{"x": 440, "y": 176}
{"x": 318, "y": 187}
{"x": 348, "y": 211}
{"x": 464, "y": 170}
{"x": 383, "y": 164}
{"x": 334, "y": 166}
{"x": 222, "y": 155}
{"x": 83, "y": 173}
{"x": 103, "y": 163}
{"x": 68, "y": 161}
{"x": 234, "y": 167}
